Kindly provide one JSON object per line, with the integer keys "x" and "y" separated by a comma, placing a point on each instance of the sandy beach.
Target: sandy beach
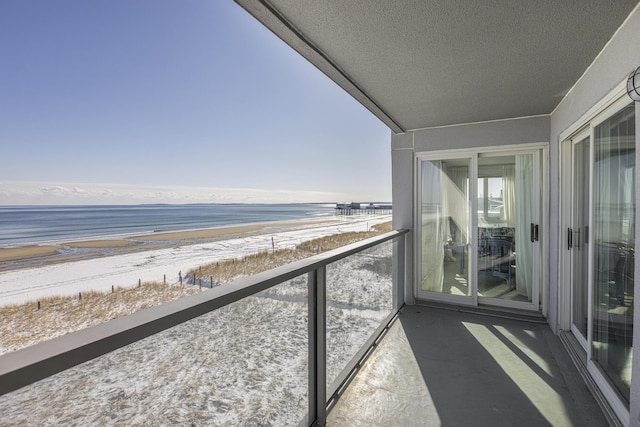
{"x": 33, "y": 272}
{"x": 40, "y": 255}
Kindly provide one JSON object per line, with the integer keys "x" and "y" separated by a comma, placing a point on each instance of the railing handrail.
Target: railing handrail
{"x": 34, "y": 363}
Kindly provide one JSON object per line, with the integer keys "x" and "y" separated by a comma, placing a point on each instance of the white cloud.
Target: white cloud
{"x": 55, "y": 190}
{"x": 40, "y": 193}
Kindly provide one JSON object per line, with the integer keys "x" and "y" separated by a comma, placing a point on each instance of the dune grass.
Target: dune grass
{"x": 229, "y": 269}
{"x": 23, "y": 325}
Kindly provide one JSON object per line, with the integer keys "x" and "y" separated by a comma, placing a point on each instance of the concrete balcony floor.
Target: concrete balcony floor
{"x": 443, "y": 367}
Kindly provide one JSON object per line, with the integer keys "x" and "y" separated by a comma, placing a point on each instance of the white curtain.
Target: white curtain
{"x": 445, "y": 215}
{"x": 458, "y": 201}
{"x": 434, "y": 226}
{"x": 524, "y": 205}
{"x": 509, "y": 194}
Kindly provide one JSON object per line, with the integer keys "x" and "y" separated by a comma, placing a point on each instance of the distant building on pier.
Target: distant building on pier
{"x": 354, "y": 208}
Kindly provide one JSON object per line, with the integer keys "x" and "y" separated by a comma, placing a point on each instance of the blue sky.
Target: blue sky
{"x": 173, "y": 101}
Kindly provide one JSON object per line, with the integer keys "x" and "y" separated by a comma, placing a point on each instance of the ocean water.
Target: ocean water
{"x": 23, "y": 225}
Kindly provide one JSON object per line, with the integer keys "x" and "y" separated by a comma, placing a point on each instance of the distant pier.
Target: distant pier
{"x": 363, "y": 209}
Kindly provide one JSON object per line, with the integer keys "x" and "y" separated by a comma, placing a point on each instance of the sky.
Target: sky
{"x": 159, "y": 101}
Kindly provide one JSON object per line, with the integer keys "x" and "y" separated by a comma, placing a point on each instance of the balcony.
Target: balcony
{"x": 449, "y": 366}
{"x": 286, "y": 346}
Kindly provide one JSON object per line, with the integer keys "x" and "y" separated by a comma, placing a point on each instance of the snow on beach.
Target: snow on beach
{"x": 245, "y": 364}
{"x": 100, "y": 274}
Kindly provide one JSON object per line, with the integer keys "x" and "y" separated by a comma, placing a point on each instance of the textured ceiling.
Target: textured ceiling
{"x": 421, "y": 63}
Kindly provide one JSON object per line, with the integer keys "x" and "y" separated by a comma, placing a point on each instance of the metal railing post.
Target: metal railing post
{"x": 317, "y": 347}
{"x": 398, "y": 272}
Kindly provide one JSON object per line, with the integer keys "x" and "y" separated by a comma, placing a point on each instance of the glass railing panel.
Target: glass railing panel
{"x": 243, "y": 364}
{"x": 359, "y": 298}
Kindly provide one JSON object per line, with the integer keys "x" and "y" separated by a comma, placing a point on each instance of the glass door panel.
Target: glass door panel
{"x": 614, "y": 207}
{"x": 444, "y": 216}
{"x": 508, "y": 200}
{"x": 578, "y": 237}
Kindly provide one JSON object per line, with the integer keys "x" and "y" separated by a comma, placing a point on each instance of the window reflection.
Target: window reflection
{"x": 506, "y": 204}
{"x": 614, "y": 232}
{"x": 445, "y": 226}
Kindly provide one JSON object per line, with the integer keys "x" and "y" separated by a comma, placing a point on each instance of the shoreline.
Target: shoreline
{"x": 35, "y": 255}
{"x": 68, "y": 273}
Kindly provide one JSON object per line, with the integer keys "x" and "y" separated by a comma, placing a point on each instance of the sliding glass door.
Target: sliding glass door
{"x": 600, "y": 247}
{"x": 479, "y": 228}
{"x": 508, "y": 227}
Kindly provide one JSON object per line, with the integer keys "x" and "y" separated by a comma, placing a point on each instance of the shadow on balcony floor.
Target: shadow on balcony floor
{"x": 439, "y": 367}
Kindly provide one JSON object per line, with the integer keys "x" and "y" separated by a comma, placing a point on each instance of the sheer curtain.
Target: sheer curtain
{"x": 509, "y": 194}
{"x": 524, "y": 205}
{"x": 445, "y": 215}
{"x": 457, "y": 201}
{"x": 433, "y": 226}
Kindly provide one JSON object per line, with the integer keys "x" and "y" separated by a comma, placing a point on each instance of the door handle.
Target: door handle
{"x": 534, "y": 232}
{"x": 569, "y": 238}
{"x": 586, "y": 234}
{"x": 533, "y": 237}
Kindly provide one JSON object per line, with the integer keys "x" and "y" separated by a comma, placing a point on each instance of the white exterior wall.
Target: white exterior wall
{"x": 613, "y": 65}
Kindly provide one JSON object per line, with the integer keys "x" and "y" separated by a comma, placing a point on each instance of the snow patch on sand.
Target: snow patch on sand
{"x": 125, "y": 270}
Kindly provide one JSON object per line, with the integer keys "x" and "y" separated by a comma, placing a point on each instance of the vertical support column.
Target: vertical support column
{"x": 404, "y": 179}
{"x": 398, "y": 271}
{"x": 409, "y": 269}
{"x": 317, "y": 347}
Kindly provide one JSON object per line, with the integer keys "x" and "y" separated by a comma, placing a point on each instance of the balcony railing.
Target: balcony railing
{"x": 274, "y": 348}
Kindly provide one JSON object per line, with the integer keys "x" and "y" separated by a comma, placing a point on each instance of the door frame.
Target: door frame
{"x": 539, "y": 299}
{"x": 586, "y": 132}
{"x": 417, "y": 265}
{"x": 613, "y": 100}
{"x": 611, "y": 104}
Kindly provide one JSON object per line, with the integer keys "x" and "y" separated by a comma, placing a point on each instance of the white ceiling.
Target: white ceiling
{"x": 425, "y": 63}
